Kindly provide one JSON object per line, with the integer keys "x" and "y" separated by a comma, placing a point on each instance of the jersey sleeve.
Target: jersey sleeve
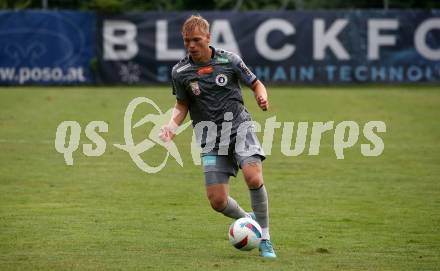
{"x": 178, "y": 88}
{"x": 243, "y": 72}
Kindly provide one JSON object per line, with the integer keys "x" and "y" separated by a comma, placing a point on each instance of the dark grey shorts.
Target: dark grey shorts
{"x": 221, "y": 174}
{"x": 218, "y": 168}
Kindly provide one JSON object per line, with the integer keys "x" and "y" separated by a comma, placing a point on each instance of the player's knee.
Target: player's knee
{"x": 254, "y": 181}
{"x": 218, "y": 202}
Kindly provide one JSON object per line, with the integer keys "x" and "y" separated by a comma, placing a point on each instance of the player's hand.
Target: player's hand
{"x": 263, "y": 103}
{"x": 166, "y": 133}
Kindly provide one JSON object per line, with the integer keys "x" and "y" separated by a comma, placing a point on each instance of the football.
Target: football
{"x": 245, "y": 234}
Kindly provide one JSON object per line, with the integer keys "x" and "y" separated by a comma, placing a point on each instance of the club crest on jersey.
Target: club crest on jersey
{"x": 221, "y": 80}
{"x": 195, "y": 87}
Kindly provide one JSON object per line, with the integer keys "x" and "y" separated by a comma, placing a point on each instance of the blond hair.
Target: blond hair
{"x": 195, "y": 22}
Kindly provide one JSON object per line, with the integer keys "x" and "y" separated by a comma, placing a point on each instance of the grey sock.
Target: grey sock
{"x": 233, "y": 210}
{"x": 260, "y": 205}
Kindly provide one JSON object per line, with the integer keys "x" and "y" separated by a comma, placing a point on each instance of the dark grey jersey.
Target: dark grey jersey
{"x": 213, "y": 89}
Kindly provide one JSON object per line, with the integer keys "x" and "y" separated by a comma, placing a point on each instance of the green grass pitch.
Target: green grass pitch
{"x": 103, "y": 213}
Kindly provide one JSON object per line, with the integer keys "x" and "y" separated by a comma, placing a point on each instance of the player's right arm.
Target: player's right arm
{"x": 179, "y": 113}
{"x": 168, "y": 131}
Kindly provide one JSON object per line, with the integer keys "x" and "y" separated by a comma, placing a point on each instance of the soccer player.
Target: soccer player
{"x": 206, "y": 83}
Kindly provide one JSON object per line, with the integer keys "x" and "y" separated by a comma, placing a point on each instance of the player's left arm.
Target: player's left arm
{"x": 260, "y": 94}
{"x": 249, "y": 78}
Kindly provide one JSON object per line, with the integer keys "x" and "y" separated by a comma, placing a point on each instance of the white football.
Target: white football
{"x": 245, "y": 234}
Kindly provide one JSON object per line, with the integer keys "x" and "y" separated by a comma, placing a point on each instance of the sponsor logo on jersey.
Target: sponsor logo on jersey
{"x": 184, "y": 67}
{"x": 222, "y": 60}
{"x": 221, "y": 80}
{"x": 195, "y": 87}
{"x": 205, "y": 70}
{"x": 245, "y": 69}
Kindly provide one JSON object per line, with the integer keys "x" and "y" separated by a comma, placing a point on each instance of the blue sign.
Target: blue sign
{"x": 43, "y": 47}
